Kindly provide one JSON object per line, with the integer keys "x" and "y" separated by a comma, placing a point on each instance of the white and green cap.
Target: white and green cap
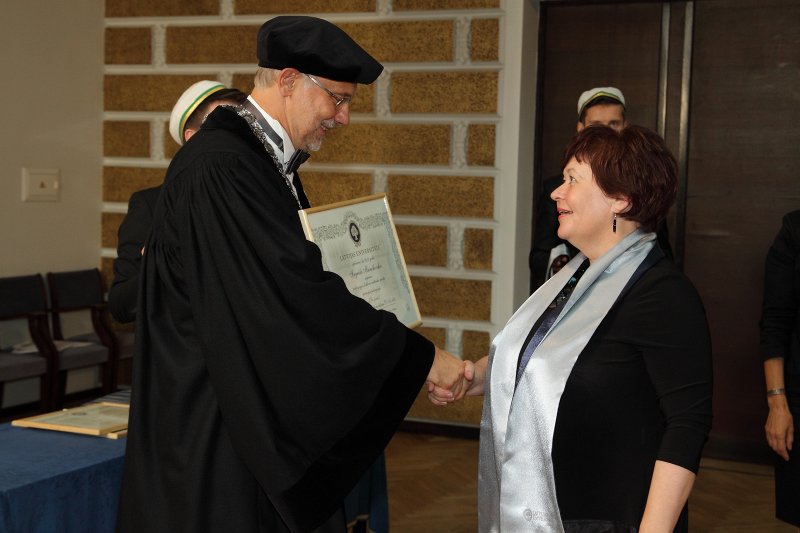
{"x": 587, "y": 97}
{"x": 187, "y": 103}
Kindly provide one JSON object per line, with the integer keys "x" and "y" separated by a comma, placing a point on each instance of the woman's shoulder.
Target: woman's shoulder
{"x": 665, "y": 283}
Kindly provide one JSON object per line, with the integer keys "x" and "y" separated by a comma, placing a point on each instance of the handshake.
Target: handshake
{"x": 450, "y": 378}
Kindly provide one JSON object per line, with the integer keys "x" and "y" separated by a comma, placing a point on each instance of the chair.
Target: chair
{"x": 23, "y": 297}
{"x": 82, "y": 290}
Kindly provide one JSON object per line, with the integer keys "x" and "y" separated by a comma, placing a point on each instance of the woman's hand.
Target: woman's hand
{"x": 780, "y": 426}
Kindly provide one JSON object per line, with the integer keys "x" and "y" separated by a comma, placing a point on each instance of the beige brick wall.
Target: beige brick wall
{"x": 424, "y": 133}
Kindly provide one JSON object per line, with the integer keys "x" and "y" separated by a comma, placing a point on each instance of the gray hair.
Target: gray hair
{"x": 266, "y": 77}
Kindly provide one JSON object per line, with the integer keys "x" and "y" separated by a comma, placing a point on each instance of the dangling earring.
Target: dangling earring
{"x": 614, "y": 224}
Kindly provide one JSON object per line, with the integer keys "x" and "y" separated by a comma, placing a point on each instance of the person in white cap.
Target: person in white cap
{"x": 264, "y": 389}
{"x": 186, "y": 118}
{"x": 603, "y": 106}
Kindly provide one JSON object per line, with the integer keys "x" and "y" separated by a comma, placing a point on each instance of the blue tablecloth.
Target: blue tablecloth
{"x": 64, "y": 482}
{"x": 58, "y": 482}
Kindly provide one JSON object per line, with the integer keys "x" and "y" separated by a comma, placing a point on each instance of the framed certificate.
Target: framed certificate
{"x": 359, "y": 242}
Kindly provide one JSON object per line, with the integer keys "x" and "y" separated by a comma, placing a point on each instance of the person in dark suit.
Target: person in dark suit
{"x": 599, "y": 106}
{"x": 780, "y": 350}
{"x": 187, "y": 116}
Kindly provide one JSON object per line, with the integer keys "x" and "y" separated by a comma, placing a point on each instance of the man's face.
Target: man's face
{"x": 611, "y": 115}
{"x": 312, "y": 112}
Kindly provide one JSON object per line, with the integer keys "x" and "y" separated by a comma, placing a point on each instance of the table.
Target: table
{"x": 53, "y": 481}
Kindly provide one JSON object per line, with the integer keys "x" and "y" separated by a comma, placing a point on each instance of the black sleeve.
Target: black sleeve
{"x": 131, "y": 237}
{"x": 780, "y": 303}
{"x": 676, "y": 347}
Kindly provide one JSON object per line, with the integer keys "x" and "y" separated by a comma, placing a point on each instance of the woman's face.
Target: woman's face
{"x": 585, "y": 213}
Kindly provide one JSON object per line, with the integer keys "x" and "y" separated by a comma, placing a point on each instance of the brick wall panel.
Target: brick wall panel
{"x": 447, "y": 196}
{"x": 423, "y": 245}
{"x": 444, "y": 92}
{"x": 461, "y": 299}
{"x": 258, "y": 7}
{"x": 160, "y": 8}
{"x": 405, "y": 42}
{"x": 151, "y": 92}
{"x": 170, "y": 146}
{"x": 328, "y": 187}
{"x": 109, "y": 227}
{"x": 212, "y": 44}
{"x": 480, "y": 144}
{"x": 478, "y": 249}
{"x": 120, "y": 182}
{"x": 411, "y": 144}
{"x": 244, "y": 82}
{"x": 484, "y": 39}
{"x": 420, "y": 5}
{"x": 126, "y": 139}
{"x": 474, "y": 345}
{"x": 437, "y": 336}
{"x": 128, "y": 46}
{"x": 107, "y": 271}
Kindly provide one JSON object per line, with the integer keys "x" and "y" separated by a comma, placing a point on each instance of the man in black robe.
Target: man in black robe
{"x": 262, "y": 388}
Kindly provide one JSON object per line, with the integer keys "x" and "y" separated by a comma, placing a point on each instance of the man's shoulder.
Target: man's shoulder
{"x": 148, "y": 196}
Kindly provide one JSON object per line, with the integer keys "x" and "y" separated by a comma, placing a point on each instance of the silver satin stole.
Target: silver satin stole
{"x": 516, "y": 488}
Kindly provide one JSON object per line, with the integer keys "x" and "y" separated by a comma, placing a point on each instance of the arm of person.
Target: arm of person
{"x": 123, "y": 294}
{"x": 780, "y": 423}
{"x": 670, "y": 327}
{"x": 778, "y": 316}
{"x": 669, "y": 490}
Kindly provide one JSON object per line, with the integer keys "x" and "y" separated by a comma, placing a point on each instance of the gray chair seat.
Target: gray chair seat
{"x": 83, "y": 356}
{"x": 125, "y": 341}
{"x": 20, "y": 366}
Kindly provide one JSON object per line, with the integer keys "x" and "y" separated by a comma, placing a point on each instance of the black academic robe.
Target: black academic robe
{"x": 262, "y": 388}
{"x": 132, "y": 233}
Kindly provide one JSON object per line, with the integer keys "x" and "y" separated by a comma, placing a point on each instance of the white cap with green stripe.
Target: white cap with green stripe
{"x": 187, "y": 103}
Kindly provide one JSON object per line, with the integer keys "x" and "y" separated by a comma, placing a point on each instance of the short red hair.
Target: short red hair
{"x": 633, "y": 163}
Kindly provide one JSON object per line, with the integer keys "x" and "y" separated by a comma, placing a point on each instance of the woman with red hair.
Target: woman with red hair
{"x": 598, "y": 389}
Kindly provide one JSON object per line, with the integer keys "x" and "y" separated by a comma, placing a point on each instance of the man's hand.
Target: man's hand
{"x": 450, "y": 376}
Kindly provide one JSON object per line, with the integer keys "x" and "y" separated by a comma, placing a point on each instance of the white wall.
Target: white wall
{"x": 51, "y": 54}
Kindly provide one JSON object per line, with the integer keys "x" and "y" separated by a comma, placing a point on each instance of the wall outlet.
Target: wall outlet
{"x": 40, "y": 184}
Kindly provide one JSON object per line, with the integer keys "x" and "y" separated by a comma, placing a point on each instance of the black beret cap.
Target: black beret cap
{"x": 314, "y": 46}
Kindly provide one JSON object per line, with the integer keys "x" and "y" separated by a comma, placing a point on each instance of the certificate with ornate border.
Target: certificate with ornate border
{"x": 359, "y": 242}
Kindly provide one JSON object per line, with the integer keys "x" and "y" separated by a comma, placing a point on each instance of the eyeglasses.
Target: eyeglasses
{"x": 340, "y": 100}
